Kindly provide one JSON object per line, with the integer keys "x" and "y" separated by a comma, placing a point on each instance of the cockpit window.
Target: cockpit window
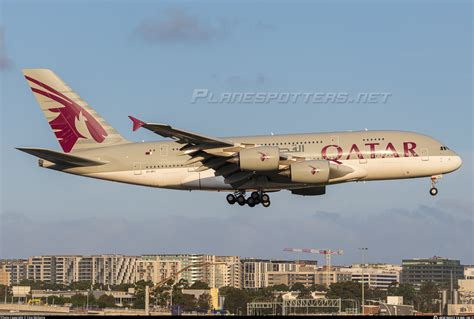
{"x": 444, "y": 148}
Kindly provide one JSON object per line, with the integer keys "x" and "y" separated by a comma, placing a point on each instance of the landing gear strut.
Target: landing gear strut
{"x": 433, "y": 189}
{"x": 254, "y": 199}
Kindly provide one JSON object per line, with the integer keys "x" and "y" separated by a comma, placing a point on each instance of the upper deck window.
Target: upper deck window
{"x": 444, "y": 148}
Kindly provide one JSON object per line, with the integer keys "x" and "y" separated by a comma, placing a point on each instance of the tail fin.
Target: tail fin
{"x": 75, "y": 124}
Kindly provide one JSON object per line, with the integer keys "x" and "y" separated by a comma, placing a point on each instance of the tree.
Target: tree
{"x": 5, "y": 292}
{"x": 429, "y": 291}
{"x": 280, "y": 287}
{"x": 182, "y": 283}
{"x": 407, "y": 291}
{"x": 264, "y": 294}
{"x": 57, "y": 300}
{"x": 235, "y": 299}
{"x": 204, "y": 303}
{"x": 346, "y": 290}
{"x": 319, "y": 288}
{"x": 162, "y": 296}
{"x": 122, "y": 287}
{"x": 139, "y": 302}
{"x": 297, "y": 287}
{"x": 42, "y": 285}
{"x": 187, "y": 302}
{"x": 80, "y": 285}
{"x": 106, "y": 301}
{"x": 375, "y": 294}
{"x": 79, "y": 300}
{"x": 142, "y": 283}
{"x": 199, "y": 285}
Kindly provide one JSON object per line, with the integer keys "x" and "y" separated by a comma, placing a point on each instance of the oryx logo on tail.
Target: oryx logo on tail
{"x": 72, "y": 121}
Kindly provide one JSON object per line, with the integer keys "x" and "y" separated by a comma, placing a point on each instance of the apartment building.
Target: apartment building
{"x": 261, "y": 273}
{"x": 41, "y": 268}
{"x": 114, "y": 269}
{"x": 215, "y": 271}
{"x": 155, "y": 269}
{"x": 66, "y": 269}
{"x": 376, "y": 276}
{"x": 227, "y": 272}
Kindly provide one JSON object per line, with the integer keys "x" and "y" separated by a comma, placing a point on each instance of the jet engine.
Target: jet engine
{"x": 261, "y": 158}
{"x": 310, "y": 172}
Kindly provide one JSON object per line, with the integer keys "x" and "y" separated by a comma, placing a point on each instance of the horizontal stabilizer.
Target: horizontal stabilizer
{"x": 60, "y": 158}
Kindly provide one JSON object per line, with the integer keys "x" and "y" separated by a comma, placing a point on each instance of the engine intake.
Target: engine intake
{"x": 261, "y": 158}
{"x": 310, "y": 172}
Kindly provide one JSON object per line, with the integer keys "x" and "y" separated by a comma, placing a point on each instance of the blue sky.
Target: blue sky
{"x": 145, "y": 58}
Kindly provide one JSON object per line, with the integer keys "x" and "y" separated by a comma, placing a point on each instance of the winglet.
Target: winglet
{"x": 136, "y": 123}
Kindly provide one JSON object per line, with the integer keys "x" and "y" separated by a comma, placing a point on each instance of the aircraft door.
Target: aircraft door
{"x": 424, "y": 154}
{"x": 164, "y": 150}
{"x": 137, "y": 168}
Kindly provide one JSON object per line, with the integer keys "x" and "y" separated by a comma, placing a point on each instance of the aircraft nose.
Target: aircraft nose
{"x": 453, "y": 163}
{"x": 457, "y": 162}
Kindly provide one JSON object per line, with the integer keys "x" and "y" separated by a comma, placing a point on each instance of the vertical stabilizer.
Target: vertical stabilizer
{"x": 75, "y": 124}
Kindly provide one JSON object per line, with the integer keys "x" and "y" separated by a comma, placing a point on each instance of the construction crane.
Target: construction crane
{"x": 326, "y": 252}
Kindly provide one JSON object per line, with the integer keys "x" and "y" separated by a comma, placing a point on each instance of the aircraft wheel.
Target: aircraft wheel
{"x": 265, "y": 198}
{"x": 251, "y": 202}
{"x": 433, "y": 191}
{"x": 231, "y": 199}
{"x": 241, "y": 200}
{"x": 255, "y": 195}
{"x": 266, "y": 204}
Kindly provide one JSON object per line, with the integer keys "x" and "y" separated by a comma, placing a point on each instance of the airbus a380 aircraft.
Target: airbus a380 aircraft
{"x": 302, "y": 163}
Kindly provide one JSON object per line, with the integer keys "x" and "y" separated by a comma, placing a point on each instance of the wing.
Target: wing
{"x": 181, "y": 136}
{"x": 211, "y": 152}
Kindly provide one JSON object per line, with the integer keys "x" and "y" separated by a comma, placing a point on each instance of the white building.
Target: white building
{"x": 66, "y": 269}
{"x": 153, "y": 268}
{"x": 261, "y": 273}
{"x": 226, "y": 273}
{"x": 41, "y": 268}
{"x": 469, "y": 272}
{"x": 374, "y": 275}
{"x": 114, "y": 269}
{"x": 215, "y": 271}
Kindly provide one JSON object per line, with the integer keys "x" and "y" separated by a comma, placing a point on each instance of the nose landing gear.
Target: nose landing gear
{"x": 434, "y": 180}
{"x": 254, "y": 199}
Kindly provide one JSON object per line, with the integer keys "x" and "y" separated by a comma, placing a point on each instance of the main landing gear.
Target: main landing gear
{"x": 434, "y": 180}
{"x": 254, "y": 199}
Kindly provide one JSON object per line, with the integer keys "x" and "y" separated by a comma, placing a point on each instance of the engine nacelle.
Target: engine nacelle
{"x": 262, "y": 158}
{"x": 310, "y": 172}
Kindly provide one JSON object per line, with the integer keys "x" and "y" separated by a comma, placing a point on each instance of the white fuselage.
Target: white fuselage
{"x": 388, "y": 155}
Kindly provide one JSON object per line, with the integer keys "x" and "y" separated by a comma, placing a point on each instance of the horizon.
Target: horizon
{"x": 272, "y": 259}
